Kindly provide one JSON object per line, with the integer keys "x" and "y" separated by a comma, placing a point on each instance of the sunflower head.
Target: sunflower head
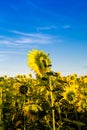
{"x": 16, "y": 87}
{"x": 20, "y": 89}
{"x": 39, "y": 62}
{"x": 85, "y": 79}
{"x": 23, "y": 89}
{"x": 82, "y": 103}
{"x": 70, "y": 93}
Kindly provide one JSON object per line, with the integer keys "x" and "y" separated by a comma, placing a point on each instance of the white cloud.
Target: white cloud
{"x": 4, "y": 42}
{"x": 20, "y": 33}
{"x": 32, "y": 35}
{"x": 4, "y": 53}
{"x": 25, "y": 39}
{"x": 66, "y": 26}
{"x": 46, "y": 27}
{"x": 33, "y": 40}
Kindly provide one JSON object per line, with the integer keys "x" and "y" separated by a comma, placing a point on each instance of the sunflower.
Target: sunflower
{"x": 70, "y": 93}
{"x": 19, "y": 88}
{"x": 31, "y": 111}
{"x": 16, "y": 87}
{"x": 85, "y": 79}
{"x": 82, "y": 103}
{"x": 39, "y": 62}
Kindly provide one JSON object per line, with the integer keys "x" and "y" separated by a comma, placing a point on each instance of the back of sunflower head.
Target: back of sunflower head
{"x": 39, "y": 61}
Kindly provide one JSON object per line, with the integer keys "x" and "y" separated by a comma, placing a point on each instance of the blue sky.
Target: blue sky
{"x": 58, "y": 27}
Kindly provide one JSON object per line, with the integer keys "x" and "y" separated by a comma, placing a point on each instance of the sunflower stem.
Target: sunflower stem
{"x": 1, "y": 123}
{"x": 52, "y": 102}
{"x": 76, "y": 116}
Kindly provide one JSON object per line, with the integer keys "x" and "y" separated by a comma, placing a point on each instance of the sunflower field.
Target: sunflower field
{"x": 47, "y": 102}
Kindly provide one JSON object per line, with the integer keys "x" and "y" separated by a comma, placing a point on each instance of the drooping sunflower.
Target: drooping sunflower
{"x": 39, "y": 61}
{"x": 31, "y": 111}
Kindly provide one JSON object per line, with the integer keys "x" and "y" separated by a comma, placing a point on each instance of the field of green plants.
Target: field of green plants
{"x": 47, "y": 102}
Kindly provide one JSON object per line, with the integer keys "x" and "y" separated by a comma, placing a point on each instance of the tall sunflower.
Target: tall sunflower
{"x": 39, "y": 61}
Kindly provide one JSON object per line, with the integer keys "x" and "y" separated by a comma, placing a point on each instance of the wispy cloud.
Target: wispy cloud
{"x": 32, "y": 35}
{"x": 46, "y": 27}
{"x": 21, "y": 33}
{"x": 66, "y": 26}
{"x": 19, "y": 42}
{"x": 24, "y": 39}
{"x": 4, "y": 53}
{"x": 8, "y": 42}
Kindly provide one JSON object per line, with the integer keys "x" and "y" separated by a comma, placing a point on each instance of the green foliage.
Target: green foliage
{"x": 26, "y": 103}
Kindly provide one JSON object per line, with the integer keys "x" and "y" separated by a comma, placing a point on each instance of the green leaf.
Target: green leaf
{"x": 75, "y": 122}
